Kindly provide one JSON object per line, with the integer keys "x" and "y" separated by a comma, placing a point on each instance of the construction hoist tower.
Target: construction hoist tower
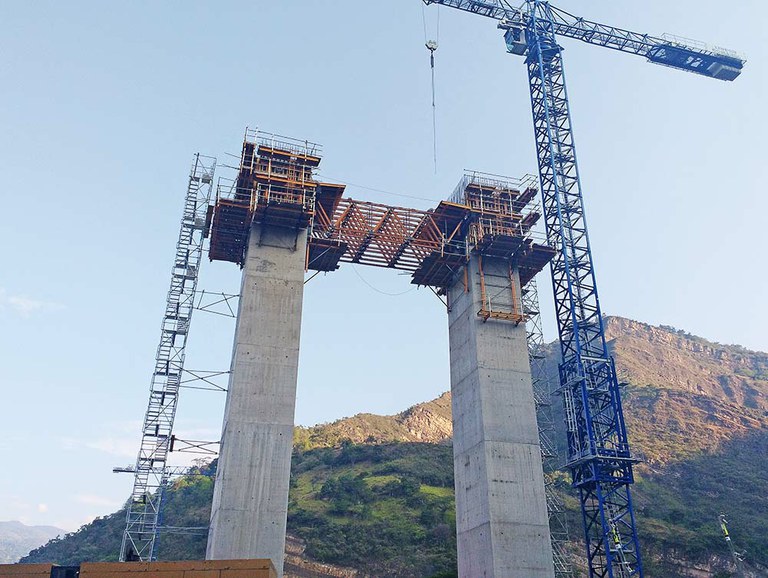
{"x": 151, "y": 471}
{"x": 599, "y": 456}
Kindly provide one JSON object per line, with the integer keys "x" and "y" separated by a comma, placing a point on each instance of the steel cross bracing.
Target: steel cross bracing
{"x": 558, "y": 527}
{"x": 151, "y": 471}
{"x": 598, "y": 450}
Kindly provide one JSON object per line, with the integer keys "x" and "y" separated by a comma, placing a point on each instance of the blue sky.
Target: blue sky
{"x": 103, "y": 106}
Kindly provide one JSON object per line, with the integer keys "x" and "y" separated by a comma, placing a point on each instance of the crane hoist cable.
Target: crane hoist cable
{"x": 432, "y": 47}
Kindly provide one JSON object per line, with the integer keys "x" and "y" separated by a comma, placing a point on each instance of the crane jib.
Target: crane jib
{"x": 689, "y": 55}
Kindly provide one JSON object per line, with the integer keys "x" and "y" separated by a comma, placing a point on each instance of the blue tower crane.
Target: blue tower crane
{"x": 599, "y": 456}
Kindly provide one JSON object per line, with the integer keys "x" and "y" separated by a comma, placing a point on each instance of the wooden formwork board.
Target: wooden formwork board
{"x": 260, "y": 568}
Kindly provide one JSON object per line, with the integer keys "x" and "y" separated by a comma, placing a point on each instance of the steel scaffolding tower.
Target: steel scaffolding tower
{"x": 151, "y": 471}
{"x": 558, "y": 527}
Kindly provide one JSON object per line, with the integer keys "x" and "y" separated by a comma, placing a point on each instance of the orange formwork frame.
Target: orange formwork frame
{"x": 489, "y": 215}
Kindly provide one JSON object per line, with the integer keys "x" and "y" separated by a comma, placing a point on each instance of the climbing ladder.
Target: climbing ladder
{"x": 558, "y": 527}
{"x": 151, "y": 471}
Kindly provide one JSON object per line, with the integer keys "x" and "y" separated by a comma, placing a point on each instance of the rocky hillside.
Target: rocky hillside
{"x": 17, "y": 539}
{"x": 672, "y": 359}
{"x": 372, "y": 495}
{"x": 697, "y": 414}
{"x": 426, "y": 422}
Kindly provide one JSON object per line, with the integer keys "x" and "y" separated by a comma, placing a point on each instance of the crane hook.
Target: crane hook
{"x": 432, "y": 46}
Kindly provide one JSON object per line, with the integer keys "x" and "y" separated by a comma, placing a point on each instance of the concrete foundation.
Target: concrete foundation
{"x": 501, "y": 511}
{"x": 250, "y": 499}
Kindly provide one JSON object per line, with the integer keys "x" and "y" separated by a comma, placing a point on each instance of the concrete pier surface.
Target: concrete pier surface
{"x": 250, "y": 500}
{"x": 501, "y": 510}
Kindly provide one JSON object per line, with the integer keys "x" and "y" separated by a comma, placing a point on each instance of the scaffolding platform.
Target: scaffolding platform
{"x": 535, "y": 257}
{"x": 324, "y": 254}
{"x": 284, "y": 210}
{"x": 328, "y": 196}
{"x": 438, "y": 269}
{"x": 501, "y": 245}
{"x": 229, "y": 231}
{"x": 275, "y": 186}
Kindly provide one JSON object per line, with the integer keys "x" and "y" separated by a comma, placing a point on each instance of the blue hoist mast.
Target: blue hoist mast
{"x": 599, "y": 456}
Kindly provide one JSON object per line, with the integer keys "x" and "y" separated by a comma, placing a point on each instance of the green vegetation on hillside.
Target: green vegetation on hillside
{"x": 387, "y": 509}
{"x": 696, "y": 414}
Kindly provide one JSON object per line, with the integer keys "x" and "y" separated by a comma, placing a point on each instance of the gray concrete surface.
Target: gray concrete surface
{"x": 250, "y": 500}
{"x": 501, "y": 511}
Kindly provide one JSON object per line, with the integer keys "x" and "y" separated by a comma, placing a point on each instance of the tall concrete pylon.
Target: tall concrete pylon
{"x": 501, "y": 512}
{"x": 250, "y": 499}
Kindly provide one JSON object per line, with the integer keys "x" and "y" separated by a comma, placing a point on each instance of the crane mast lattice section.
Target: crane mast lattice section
{"x": 738, "y": 557}
{"x": 598, "y": 449}
{"x": 151, "y": 472}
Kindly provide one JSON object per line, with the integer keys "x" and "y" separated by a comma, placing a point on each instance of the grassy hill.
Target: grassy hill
{"x": 372, "y": 495}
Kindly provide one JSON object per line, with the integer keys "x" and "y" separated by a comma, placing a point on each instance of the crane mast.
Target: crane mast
{"x": 598, "y": 450}
{"x": 599, "y": 456}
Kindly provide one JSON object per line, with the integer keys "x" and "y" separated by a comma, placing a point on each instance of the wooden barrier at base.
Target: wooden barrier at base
{"x": 26, "y": 570}
{"x": 191, "y": 569}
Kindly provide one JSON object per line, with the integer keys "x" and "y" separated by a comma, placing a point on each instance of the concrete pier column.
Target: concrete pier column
{"x": 501, "y": 511}
{"x": 250, "y": 499}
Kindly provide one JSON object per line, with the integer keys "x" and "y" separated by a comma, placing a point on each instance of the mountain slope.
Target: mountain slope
{"x": 369, "y": 493}
{"x": 673, "y": 359}
{"x": 425, "y": 422}
{"x": 17, "y": 539}
{"x": 697, "y": 414}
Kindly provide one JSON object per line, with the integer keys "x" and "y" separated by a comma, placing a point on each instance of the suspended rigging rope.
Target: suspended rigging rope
{"x": 432, "y": 47}
{"x": 359, "y": 186}
{"x": 379, "y": 290}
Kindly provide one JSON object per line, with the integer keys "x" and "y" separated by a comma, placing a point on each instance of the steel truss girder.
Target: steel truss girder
{"x": 598, "y": 450}
{"x": 151, "y": 473}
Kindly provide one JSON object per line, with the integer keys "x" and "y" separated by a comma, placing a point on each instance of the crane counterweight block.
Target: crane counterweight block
{"x": 713, "y": 65}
